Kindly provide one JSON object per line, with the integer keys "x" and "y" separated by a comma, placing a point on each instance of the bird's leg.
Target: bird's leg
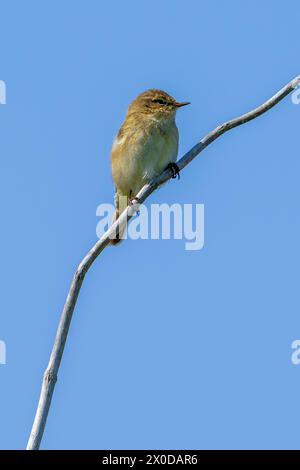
{"x": 133, "y": 200}
{"x": 175, "y": 170}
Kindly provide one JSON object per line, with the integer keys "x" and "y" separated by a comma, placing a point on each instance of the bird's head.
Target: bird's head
{"x": 156, "y": 103}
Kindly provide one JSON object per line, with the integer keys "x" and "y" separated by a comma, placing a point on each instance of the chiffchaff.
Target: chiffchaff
{"x": 146, "y": 144}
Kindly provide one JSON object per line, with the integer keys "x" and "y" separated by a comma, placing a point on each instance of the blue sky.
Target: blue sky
{"x": 167, "y": 348}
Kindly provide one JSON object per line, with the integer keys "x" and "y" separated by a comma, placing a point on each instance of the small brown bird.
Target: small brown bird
{"x": 146, "y": 144}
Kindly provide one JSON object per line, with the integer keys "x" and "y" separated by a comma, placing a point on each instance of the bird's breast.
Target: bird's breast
{"x": 140, "y": 156}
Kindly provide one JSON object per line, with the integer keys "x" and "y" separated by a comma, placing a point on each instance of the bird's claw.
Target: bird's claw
{"x": 175, "y": 170}
{"x": 134, "y": 201}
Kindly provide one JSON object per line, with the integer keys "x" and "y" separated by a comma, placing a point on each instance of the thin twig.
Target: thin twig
{"x": 50, "y": 375}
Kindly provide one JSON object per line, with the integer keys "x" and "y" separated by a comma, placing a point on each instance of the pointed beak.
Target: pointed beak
{"x": 184, "y": 103}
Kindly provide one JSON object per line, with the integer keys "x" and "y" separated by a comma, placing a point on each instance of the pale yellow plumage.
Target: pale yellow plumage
{"x": 146, "y": 143}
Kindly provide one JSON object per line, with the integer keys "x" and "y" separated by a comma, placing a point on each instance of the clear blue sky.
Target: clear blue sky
{"x": 167, "y": 348}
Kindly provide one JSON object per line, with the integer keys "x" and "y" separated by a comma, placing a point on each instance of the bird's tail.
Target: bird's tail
{"x": 120, "y": 205}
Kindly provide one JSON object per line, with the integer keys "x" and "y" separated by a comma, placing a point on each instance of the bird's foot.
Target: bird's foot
{"x": 134, "y": 201}
{"x": 175, "y": 170}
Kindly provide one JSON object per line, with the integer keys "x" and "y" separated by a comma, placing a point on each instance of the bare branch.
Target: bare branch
{"x": 50, "y": 375}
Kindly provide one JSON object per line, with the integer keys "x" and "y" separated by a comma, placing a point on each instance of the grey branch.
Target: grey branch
{"x": 50, "y": 375}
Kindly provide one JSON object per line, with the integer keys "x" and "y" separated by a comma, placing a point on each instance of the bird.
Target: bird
{"x": 146, "y": 144}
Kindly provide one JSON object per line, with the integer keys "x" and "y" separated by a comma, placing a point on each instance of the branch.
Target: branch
{"x": 50, "y": 375}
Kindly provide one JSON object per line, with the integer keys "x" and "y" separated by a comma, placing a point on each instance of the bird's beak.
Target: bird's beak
{"x": 184, "y": 103}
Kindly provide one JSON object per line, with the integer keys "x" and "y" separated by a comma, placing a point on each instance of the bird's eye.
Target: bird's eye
{"x": 159, "y": 101}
